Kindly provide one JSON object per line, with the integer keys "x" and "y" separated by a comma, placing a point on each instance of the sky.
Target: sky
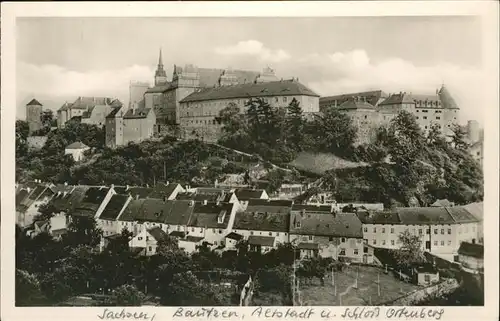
{"x": 59, "y": 59}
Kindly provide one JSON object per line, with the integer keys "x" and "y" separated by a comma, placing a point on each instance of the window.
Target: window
{"x": 150, "y": 248}
{"x": 374, "y": 230}
{"x": 442, "y": 243}
{"x": 276, "y": 99}
{"x": 425, "y": 117}
{"x": 427, "y": 278}
{"x": 417, "y": 117}
{"x": 220, "y": 231}
{"x": 392, "y": 230}
{"x": 437, "y": 117}
{"x": 442, "y": 231}
{"x": 355, "y": 252}
{"x": 365, "y": 229}
{"x": 449, "y": 231}
{"x": 435, "y": 243}
{"x": 310, "y": 237}
{"x": 392, "y": 242}
{"x": 270, "y": 233}
{"x": 342, "y": 239}
{"x": 192, "y": 229}
{"x": 251, "y": 232}
{"x": 330, "y": 239}
{"x": 284, "y": 99}
{"x": 449, "y": 243}
{"x": 277, "y": 234}
{"x": 147, "y": 238}
{"x": 365, "y": 249}
{"x": 420, "y": 232}
{"x": 366, "y": 117}
{"x": 428, "y": 231}
{"x": 342, "y": 252}
{"x": 383, "y": 242}
{"x": 298, "y": 224}
{"x": 374, "y": 241}
{"x": 139, "y": 238}
{"x": 435, "y": 231}
{"x": 383, "y": 229}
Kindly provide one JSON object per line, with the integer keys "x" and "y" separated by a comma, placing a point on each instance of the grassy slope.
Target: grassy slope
{"x": 319, "y": 163}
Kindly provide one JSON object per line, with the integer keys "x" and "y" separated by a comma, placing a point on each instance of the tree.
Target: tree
{"x": 410, "y": 251}
{"x": 405, "y": 140}
{"x": 295, "y": 125}
{"x": 127, "y": 295}
{"x": 167, "y": 245}
{"x": 28, "y": 291}
{"x": 458, "y": 138}
{"x": 82, "y": 231}
{"x": 120, "y": 245}
{"x": 332, "y": 132}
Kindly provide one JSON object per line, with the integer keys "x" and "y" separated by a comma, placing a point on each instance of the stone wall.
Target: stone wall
{"x": 413, "y": 298}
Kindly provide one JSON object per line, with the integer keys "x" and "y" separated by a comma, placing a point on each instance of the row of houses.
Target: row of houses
{"x": 222, "y": 217}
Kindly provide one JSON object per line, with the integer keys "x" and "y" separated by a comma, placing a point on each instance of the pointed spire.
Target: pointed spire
{"x": 160, "y": 59}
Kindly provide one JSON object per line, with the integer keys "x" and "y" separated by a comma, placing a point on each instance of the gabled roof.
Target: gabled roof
{"x": 158, "y": 210}
{"x": 339, "y": 225}
{"x": 208, "y": 215}
{"x": 261, "y": 240}
{"x": 353, "y": 104}
{"x": 308, "y": 246}
{"x": 244, "y": 194}
{"x": 234, "y": 236}
{"x": 157, "y": 233}
{"x": 371, "y": 97}
{"x": 470, "y": 249}
{"x": 262, "y": 221}
{"x": 163, "y": 190}
{"x": 75, "y": 198}
{"x": 271, "y": 206}
{"x": 77, "y": 145}
{"x": 442, "y": 203}
{"x": 446, "y": 99}
{"x": 114, "y": 112}
{"x": 93, "y": 198}
{"x": 461, "y": 215}
{"x": 137, "y": 113}
{"x": 395, "y": 99}
{"x": 193, "y": 239}
{"x": 475, "y": 209}
{"x": 114, "y": 206}
{"x": 85, "y": 102}
{"x": 158, "y": 89}
{"x": 131, "y": 212}
{"x": 246, "y": 91}
{"x": 379, "y": 217}
{"x": 34, "y": 102}
{"x": 177, "y": 234}
{"x": 424, "y": 215}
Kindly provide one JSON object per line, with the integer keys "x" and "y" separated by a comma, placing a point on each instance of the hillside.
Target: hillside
{"x": 319, "y": 163}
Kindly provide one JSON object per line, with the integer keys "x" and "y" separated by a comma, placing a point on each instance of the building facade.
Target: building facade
{"x": 199, "y": 111}
{"x": 130, "y": 125}
{"x": 378, "y": 108}
{"x": 34, "y": 115}
{"x": 88, "y": 110}
{"x": 76, "y": 150}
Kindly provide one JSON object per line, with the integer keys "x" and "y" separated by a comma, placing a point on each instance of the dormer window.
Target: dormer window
{"x": 297, "y": 224}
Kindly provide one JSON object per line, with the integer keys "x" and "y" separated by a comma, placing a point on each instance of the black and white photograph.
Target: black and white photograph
{"x": 249, "y": 161}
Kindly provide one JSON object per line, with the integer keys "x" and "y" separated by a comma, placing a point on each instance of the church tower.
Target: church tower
{"x": 160, "y": 74}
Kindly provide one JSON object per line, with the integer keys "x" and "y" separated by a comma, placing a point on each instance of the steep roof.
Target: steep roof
{"x": 114, "y": 112}
{"x": 34, "y": 102}
{"x": 114, "y": 206}
{"x": 401, "y": 98}
{"x": 208, "y": 215}
{"x": 340, "y": 225}
{"x": 77, "y": 145}
{"x": 266, "y": 89}
{"x": 234, "y": 236}
{"x": 261, "y": 240}
{"x": 163, "y": 190}
{"x": 469, "y": 249}
{"x": 137, "y": 113}
{"x": 262, "y": 221}
{"x": 461, "y": 215}
{"x": 85, "y": 102}
{"x": 92, "y": 199}
{"x": 447, "y": 100}
{"x": 353, "y": 104}
{"x": 371, "y": 97}
{"x": 442, "y": 203}
{"x": 475, "y": 209}
{"x": 131, "y": 212}
{"x": 76, "y": 196}
{"x": 245, "y": 194}
{"x": 424, "y": 215}
{"x": 158, "y": 89}
{"x": 158, "y": 210}
{"x": 157, "y": 233}
{"x": 379, "y": 217}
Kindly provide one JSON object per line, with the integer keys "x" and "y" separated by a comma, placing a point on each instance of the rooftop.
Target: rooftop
{"x": 157, "y": 233}
{"x": 234, "y": 236}
{"x": 470, "y": 249}
{"x": 371, "y": 97}
{"x": 245, "y": 194}
{"x": 261, "y": 240}
{"x": 266, "y": 89}
{"x": 207, "y": 216}
{"x": 137, "y": 113}
{"x": 114, "y": 207}
{"x": 77, "y": 145}
{"x": 34, "y": 102}
{"x": 338, "y": 225}
{"x": 262, "y": 221}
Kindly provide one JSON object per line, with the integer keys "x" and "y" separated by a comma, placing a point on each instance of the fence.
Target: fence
{"x": 419, "y": 295}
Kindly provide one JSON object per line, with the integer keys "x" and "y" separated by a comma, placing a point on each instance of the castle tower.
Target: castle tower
{"x": 160, "y": 74}
{"x": 34, "y": 115}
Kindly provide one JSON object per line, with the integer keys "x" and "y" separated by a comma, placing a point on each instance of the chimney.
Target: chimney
{"x": 205, "y": 202}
